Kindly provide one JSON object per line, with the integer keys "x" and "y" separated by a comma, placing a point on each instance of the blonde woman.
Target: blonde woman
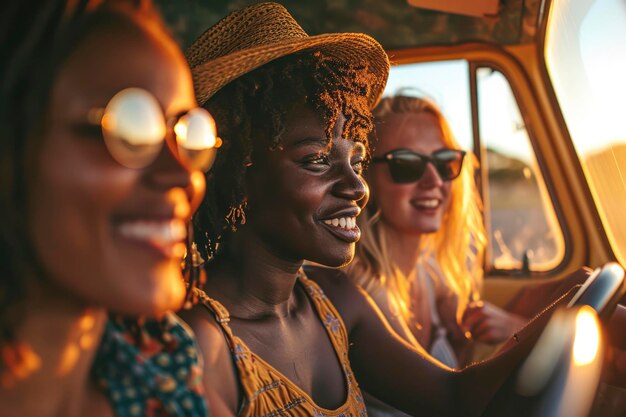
{"x": 422, "y": 246}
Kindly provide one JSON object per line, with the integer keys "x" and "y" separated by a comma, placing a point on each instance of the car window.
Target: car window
{"x": 444, "y": 82}
{"x": 523, "y": 232}
{"x": 585, "y": 54}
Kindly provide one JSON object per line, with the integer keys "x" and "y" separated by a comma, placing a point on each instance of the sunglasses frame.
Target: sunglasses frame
{"x": 96, "y": 117}
{"x": 393, "y": 155}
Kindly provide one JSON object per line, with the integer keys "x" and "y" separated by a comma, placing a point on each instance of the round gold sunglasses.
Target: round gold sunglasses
{"x": 134, "y": 128}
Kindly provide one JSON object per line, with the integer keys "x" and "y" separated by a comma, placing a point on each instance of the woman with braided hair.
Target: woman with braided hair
{"x": 276, "y": 124}
{"x": 294, "y": 113}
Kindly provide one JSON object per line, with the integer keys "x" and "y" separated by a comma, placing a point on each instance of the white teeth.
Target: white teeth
{"x": 343, "y": 222}
{"x": 169, "y": 231}
{"x": 432, "y": 203}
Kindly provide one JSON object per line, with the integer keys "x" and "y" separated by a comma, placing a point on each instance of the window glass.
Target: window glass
{"x": 523, "y": 231}
{"x": 586, "y": 59}
{"x": 522, "y": 226}
{"x": 444, "y": 82}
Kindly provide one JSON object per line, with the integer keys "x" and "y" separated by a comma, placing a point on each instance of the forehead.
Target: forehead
{"x": 120, "y": 54}
{"x": 419, "y": 132}
{"x": 302, "y": 122}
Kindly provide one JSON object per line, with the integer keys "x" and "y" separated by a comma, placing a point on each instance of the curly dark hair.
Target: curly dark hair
{"x": 34, "y": 43}
{"x": 251, "y": 111}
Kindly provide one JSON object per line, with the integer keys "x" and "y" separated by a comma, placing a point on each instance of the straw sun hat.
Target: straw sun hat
{"x": 253, "y": 36}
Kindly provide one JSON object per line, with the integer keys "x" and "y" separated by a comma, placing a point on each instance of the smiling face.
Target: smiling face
{"x": 303, "y": 199}
{"x": 113, "y": 236}
{"x": 414, "y": 208}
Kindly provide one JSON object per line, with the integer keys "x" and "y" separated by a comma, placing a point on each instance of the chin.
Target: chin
{"x": 170, "y": 289}
{"x": 337, "y": 260}
{"x": 428, "y": 228}
{"x": 157, "y": 292}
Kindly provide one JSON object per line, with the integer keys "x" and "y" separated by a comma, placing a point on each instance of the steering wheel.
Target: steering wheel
{"x": 601, "y": 291}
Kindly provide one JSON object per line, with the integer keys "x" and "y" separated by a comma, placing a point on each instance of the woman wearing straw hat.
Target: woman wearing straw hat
{"x": 95, "y": 191}
{"x": 294, "y": 114}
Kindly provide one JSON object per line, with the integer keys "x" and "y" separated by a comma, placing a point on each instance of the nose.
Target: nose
{"x": 431, "y": 178}
{"x": 167, "y": 173}
{"x": 352, "y": 187}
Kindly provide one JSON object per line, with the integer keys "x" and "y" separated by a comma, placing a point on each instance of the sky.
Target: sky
{"x": 587, "y": 62}
{"x": 447, "y": 83}
{"x": 586, "y": 56}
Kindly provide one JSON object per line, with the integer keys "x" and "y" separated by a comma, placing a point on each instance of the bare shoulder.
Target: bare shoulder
{"x": 208, "y": 333}
{"x": 219, "y": 375}
{"x": 348, "y": 298}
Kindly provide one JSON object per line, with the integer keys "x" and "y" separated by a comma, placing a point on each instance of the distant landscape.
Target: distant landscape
{"x": 518, "y": 222}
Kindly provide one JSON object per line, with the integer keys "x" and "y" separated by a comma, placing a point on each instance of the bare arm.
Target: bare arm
{"x": 219, "y": 377}
{"x": 617, "y": 327}
{"x": 217, "y": 406}
{"x": 406, "y": 377}
{"x": 397, "y": 323}
{"x": 490, "y": 324}
{"x": 616, "y": 330}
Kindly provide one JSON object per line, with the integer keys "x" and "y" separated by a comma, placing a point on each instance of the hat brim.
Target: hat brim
{"x": 210, "y": 76}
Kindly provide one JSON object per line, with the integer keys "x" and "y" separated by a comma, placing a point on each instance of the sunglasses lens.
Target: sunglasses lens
{"x": 406, "y": 167}
{"x": 448, "y": 163}
{"x": 197, "y": 139}
{"x": 133, "y": 128}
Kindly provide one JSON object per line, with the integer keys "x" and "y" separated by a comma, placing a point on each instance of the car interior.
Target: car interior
{"x": 534, "y": 88}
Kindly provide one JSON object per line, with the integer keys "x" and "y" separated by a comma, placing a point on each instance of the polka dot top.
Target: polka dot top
{"x": 150, "y": 368}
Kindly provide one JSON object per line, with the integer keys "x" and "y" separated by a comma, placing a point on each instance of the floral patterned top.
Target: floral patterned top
{"x": 150, "y": 368}
{"x": 267, "y": 392}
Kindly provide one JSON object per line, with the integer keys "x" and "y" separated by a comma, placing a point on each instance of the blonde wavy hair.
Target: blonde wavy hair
{"x": 458, "y": 246}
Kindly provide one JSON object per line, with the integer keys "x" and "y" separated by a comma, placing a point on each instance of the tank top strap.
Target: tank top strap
{"x": 221, "y": 314}
{"x": 243, "y": 358}
{"x": 440, "y": 347}
{"x": 329, "y": 316}
{"x": 268, "y": 393}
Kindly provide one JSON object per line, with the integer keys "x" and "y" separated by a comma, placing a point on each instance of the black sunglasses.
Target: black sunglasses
{"x": 406, "y": 166}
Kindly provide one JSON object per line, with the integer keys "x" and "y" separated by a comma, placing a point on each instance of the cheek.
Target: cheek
{"x": 285, "y": 197}
{"x": 446, "y": 192}
{"x": 70, "y": 217}
{"x": 395, "y": 208}
{"x": 392, "y": 199}
{"x": 363, "y": 202}
{"x": 198, "y": 188}
{"x": 307, "y": 199}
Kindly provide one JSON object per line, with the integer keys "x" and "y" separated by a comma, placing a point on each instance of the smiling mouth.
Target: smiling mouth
{"x": 342, "y": 222}
{"x": 167, "y": 237}
{"x": 344, "y": 228}
{"x": 426, "y": 204}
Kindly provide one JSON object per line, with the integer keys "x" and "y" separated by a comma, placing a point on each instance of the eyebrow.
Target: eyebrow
{"x": 310, "y": 140}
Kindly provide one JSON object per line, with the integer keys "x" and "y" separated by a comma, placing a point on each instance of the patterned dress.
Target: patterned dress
{"x": 150, "y": 368}
{"x": 267, "y": 392}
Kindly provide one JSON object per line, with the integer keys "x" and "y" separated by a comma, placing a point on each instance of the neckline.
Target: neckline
{"x": 303, "y": 282}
